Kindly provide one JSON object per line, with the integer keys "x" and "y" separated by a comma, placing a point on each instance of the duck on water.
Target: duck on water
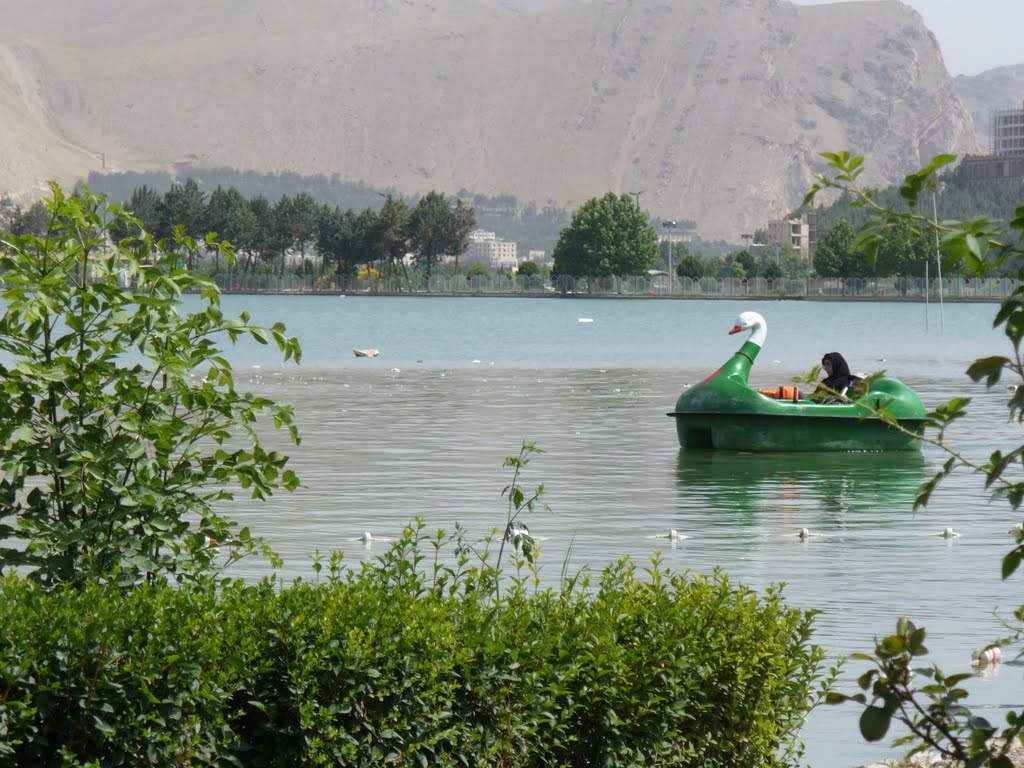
{"x": 724, "y": 412}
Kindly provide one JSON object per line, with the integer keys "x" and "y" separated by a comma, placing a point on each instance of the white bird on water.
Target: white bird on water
{"x": 990, "y": 655}
{"x": 671, "y": 535}
{"x": 805, "y": 534}
{"x": 948, "y": 533}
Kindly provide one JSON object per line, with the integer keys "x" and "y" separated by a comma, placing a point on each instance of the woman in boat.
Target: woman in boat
{"x": 837, "y": 381}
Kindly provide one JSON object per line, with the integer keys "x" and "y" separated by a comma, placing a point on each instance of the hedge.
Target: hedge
{"x": 407, "y": 661}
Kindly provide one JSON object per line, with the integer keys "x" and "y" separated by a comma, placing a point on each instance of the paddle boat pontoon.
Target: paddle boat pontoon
{"x": 724, "y": 412}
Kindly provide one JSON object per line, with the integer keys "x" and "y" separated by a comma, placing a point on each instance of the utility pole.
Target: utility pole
{"x": 670, "y": 225}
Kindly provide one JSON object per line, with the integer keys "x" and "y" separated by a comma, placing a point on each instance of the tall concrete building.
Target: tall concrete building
{"x": 1005, "y": 163}
{"x": 801, "y": 233}
{"x": 1007, "y": 132}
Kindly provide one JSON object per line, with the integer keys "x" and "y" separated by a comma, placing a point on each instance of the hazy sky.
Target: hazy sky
{"x": 974, "y": 35}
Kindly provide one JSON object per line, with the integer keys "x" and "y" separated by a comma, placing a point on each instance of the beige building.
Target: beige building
{"x": 486, "y": 248}
{"x": 801, "y": 234}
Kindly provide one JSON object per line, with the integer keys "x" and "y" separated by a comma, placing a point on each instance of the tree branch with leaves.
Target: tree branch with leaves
{"x": 925, "y": 700}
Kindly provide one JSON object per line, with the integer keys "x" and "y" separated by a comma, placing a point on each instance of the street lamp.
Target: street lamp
{"x": 670, "y": 224}
{"x": 637, "y": 196}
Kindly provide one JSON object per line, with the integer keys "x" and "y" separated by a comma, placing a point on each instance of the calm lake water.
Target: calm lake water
{"x": 423, "y": 430}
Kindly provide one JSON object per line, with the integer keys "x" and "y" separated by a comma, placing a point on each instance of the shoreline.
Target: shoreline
{"x": 630, "y": 297}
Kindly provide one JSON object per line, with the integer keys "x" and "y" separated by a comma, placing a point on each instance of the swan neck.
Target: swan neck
{"x": 758, "y": 334}
{"x": 738, "y": 368}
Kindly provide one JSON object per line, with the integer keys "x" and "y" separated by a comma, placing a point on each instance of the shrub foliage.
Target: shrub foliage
{"x": 404, "y": 663}
{"x": 117, "y": 409}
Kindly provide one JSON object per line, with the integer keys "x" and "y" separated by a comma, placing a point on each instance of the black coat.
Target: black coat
{"x": 840, "y": 378}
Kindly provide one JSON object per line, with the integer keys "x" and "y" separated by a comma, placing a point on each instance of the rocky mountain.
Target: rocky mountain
{"x": 999, "y": 88}
{"x": 710, "y": 110}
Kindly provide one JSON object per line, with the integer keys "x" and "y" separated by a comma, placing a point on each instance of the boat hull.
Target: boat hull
{"x": 722, "y": 412}
{"x": 784, "y": 432}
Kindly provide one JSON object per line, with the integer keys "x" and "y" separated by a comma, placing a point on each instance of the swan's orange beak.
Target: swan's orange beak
{"x": 735, "y": 329}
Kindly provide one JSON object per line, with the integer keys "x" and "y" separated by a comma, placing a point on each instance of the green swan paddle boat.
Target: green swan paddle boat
{"x": 724, "y": 412}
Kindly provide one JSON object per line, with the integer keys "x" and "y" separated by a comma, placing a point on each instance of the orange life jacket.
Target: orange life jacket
{"x": 785, "y": 392}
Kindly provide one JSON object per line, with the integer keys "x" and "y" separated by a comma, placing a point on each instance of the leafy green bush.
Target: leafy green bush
{"x": 414, "y": 658}
{"x": 112, "y": 455}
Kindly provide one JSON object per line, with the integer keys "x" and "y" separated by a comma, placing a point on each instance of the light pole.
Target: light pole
{"x": 637, "y": 196}
{"x": 670, "y": 225}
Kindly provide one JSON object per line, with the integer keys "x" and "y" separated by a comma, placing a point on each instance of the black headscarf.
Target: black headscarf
{"x": 840, "y": 378}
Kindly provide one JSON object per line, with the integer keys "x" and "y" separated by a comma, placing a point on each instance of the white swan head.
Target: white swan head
{"x": 753, "y": 322}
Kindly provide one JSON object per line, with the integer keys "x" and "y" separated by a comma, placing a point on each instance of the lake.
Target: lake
{"x": 460, "y": 383}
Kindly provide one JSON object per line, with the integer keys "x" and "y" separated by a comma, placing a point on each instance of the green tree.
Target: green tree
{"x": 258, "y": 241}
{"x": 692, "y": 266}
{"x": 32, "y": 221}
{"x": 607, "y": 236}
{"x": 903, "y": 251}
{"x": 296, "y": 224}
{"x": 747, "y": 261}
{"x": 332, "y": 239}
{"x": 774, "y": 271}
{"x": 8, "y": 209}
{"x": 529, "y": 269}
{"x": 390, "y": 238}
{"x": 835, "y": 256}
{"x": 228, "y": 215}
{"x": 183, "y": 205}
{"x": 145, "y": 206}
{"x": 436, "y": 229}
{"x": 927, "y": 701}
{"x": 793, "y": 265}
{"x": 344, "y": 240}
{"x": 113, "y": 455}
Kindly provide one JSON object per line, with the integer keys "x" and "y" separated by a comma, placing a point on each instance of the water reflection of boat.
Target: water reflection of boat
{"x": 826, "y": 481}
{"x": 724, "y": 412}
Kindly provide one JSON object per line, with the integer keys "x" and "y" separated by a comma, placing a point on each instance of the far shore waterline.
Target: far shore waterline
{"x": 892, "y": 289}
{"x": 627, "y": 296}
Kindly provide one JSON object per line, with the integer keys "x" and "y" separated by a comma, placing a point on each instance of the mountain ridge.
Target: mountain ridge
{"x": 711, "y": 110}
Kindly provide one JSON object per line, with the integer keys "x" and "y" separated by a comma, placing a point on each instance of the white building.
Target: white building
{"x": 487, "y": 248}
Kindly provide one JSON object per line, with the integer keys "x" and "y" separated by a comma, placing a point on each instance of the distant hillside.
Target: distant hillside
{"x": 710, "y": 110}
{"x": 1000, "y": 88}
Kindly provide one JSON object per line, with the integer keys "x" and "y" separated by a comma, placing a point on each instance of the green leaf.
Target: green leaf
{"x": 874, "y": 723}
{"x": 259, "y": 334}
{"x": 1011, "y": 562}
{"x": 988, "y": 368}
